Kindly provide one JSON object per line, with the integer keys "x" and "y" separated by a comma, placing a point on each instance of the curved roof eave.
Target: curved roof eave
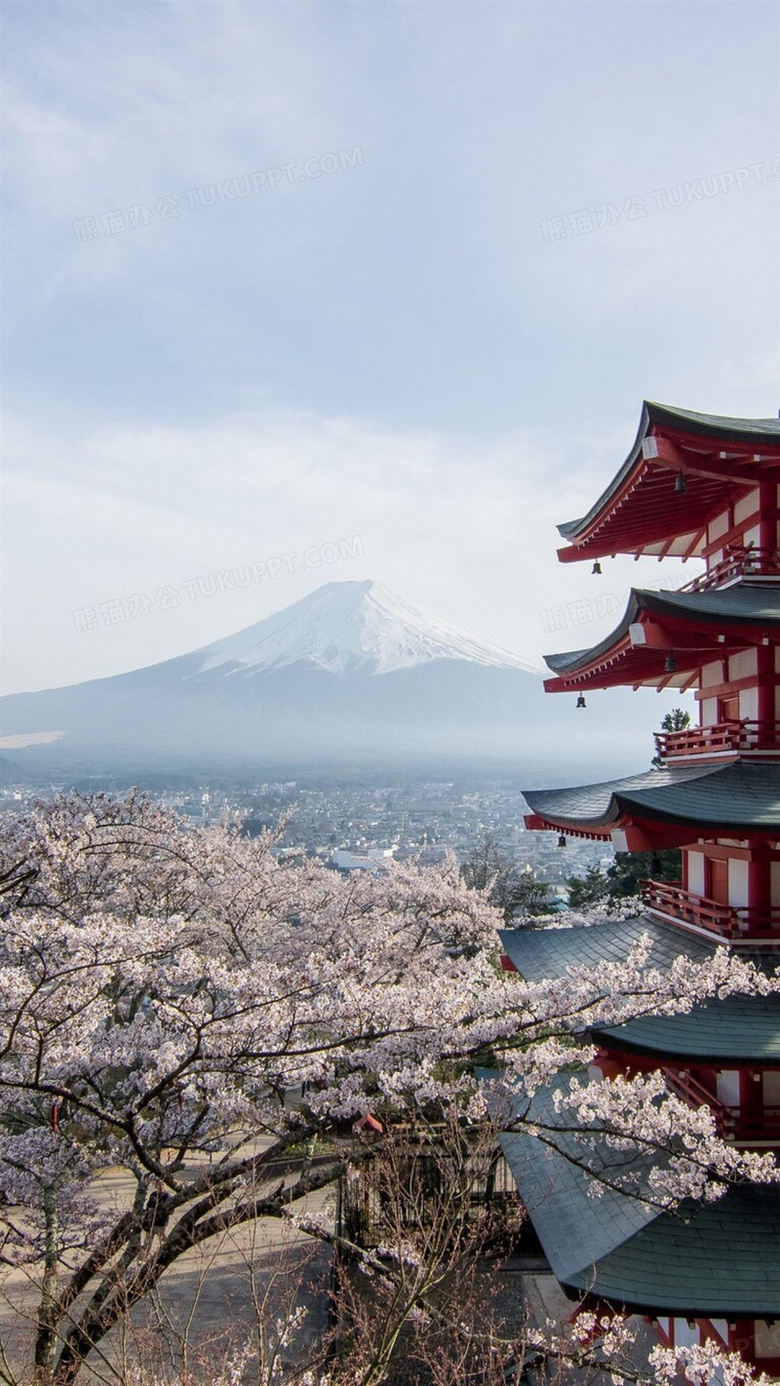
{"x": 571, "y": 528}
{"x": 709, "y": 1258}
{"x": 742, "y": 604}
{"x": 685, "y": 420}
{"x": 743, "y": 1029}
{"x": 736, "y": 798}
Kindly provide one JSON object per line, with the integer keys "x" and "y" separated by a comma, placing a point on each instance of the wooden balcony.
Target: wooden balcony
{"x": 758, "y": 1125}
{"x": 750, "y": 1127}
{"x": 746, "y": 737}
{"x": 739, "y": 564}
{"x": 730, "y": 921}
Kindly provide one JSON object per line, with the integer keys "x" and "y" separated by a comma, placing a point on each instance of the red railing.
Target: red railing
{"x": 732, "y": 1123}
{"x": 732, "y": 921}
{"x": 760, "y": 1125}
{"x": 719, "y": 738}
{"x": 739, "y": 562}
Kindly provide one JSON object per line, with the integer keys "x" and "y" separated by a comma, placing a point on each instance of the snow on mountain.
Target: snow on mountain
{"x": 349, "y": 676}
{"x": 347, "y": 628}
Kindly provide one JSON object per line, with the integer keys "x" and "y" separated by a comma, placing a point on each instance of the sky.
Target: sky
{"x": 332, "y": 291}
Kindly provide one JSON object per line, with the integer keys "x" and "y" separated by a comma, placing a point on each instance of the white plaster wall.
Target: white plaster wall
{"x": 775, "y": 882}
{"x": 728, "y": 1087}
{"x": 711, "y": 674}
{"x": 696, "y": 872}
{"x": 738, "y": 883}
{"x": 719, "y": 525}
{"x": 743, "y": 665}
{"x": 748, "y": 703}
{"x": 745, "y": 507}
{"x": 767, "y": 1339}
{"x": 752, "y": 536}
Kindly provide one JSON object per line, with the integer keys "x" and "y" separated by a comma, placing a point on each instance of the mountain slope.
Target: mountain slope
{"x": 351, "y": 627}
{"x": 351, "y": 673}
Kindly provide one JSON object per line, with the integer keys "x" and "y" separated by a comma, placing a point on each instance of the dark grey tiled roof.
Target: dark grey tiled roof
{"x": 743, "y": 1029}
{"x": 742, "y": 794}
{"x": 575, "y": 1229}
{"x": 736, "y": 1029}
{"x": 719, "y": 1259}
{"x": 725, "y": 1260}
{"x": 750, "y": 605}
{"x": 714, "y": 425}
{"x": 745, "y": 602}
{"x": 542, "y": 953}
{"x": 705, "y": 425}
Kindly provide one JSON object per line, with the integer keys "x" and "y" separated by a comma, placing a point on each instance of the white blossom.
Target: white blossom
{"x": 163, "y": 993}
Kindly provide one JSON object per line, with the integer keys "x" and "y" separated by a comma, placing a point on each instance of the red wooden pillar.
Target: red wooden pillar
{"x": 751, "y": 1101}
{"x": 766, "y": 694}
{"x": 760, "y": 883}
{"x": 768, "y": 534}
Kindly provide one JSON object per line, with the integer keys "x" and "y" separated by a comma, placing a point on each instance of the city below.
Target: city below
{"x": 357, "y": 826}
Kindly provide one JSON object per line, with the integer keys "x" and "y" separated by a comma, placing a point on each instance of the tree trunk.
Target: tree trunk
{"x": 46, "y": 1336}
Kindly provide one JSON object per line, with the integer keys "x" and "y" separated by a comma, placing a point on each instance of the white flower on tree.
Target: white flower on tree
{"x": 162, "y": 990}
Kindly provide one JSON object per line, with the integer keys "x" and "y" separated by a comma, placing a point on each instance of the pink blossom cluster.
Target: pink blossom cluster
{"x": 168, "y": 994}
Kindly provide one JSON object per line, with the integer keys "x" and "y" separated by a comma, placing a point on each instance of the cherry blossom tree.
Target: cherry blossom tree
{"x": 164, "y": 992}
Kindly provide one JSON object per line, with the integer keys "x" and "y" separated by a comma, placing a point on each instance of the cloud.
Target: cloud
{"x": 466, "y": 532}
{"x": 393, "y": 352}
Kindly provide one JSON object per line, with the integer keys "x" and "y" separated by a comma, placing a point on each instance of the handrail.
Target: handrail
{"x": 742, "y": 561}
{"x": 736, "y": 1123}
{"x": 740, "y": 921}
{"x": 718, "y": 738}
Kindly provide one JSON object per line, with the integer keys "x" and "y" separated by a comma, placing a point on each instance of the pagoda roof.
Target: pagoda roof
{"x": 736, "y": 1029}
{"x": 641, "y": 512}
{"x": 709, "y": 1259}
{"x": 734, "y": 798}
{"x": 693, "y": 624}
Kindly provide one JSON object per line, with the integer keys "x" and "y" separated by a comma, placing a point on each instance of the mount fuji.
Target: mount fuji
{"x": 348, "y": 628}
{"x": 351, "y": 675}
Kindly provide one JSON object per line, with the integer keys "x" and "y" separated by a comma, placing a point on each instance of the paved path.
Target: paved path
{"x": 210, "y": 1299}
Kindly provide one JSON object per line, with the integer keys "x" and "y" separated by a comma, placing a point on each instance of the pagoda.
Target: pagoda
{"x": 693, "y": 486}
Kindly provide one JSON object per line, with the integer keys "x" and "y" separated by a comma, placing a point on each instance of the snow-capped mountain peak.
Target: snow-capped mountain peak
{"x": 351, "y": 627}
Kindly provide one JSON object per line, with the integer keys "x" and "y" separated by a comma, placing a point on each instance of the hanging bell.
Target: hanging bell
{"x": 680, "y": 484}
{"x": 596, "y": 568}
{"x": 581, "y": 700}
{"x": 562, "y": 840}
{"x": 671, "y": 663}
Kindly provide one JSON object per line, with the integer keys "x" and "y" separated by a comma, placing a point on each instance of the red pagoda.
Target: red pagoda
{"x": 693, "y": 486}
